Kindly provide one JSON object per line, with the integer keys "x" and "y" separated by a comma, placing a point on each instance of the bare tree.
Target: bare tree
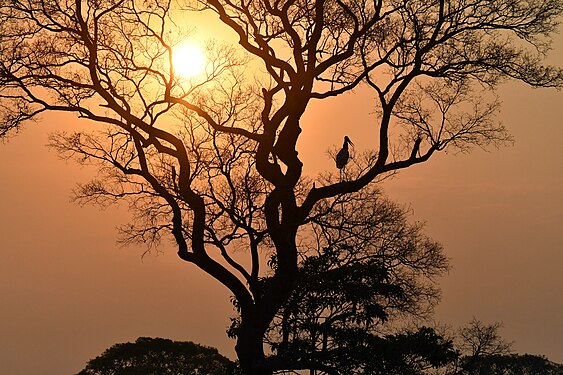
{"x": 480, "y": 349}
{"x": 478, "y": 340}
{"x": 213, "y": 160}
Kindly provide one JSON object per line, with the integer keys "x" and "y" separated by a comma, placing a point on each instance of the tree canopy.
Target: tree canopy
{"x": 512, "y": 364}
{"x": 367, "y": 266}
{"x": 213, "y": 160}
{"x": 158, "y": 356}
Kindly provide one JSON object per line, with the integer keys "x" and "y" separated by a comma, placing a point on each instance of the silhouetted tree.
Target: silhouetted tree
{"x": 213, "y": 160}
{"x": 478, "y": 339}
{"x": 366, "y": 265}
{"x": 483, "y": 351}
{"x": 156, "y": 356}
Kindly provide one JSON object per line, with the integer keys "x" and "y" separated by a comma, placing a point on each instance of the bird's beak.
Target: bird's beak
{"x": 349, "y": 141}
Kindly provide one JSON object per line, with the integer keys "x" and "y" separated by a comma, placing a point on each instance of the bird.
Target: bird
{"x": 343, "y": 155}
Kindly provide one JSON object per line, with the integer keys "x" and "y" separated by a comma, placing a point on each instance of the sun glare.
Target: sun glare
{"x": 189, "y": 60}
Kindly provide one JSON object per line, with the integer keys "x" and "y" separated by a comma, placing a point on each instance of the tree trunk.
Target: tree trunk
{"x": 250, "y": 348}
{"x": 255, "y": 321}
{"x": 256, "y": 318}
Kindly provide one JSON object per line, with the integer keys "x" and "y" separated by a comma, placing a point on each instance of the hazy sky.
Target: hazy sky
{"x": 68, "y": 292}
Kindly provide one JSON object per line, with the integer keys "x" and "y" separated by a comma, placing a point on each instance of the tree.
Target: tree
{"x": 366, "y": 266}
{"x": 477, "y": 342}
{"x": 479, "y": 339}
{"x": 159, "y": 357}
{"x": 483, "y": 351}
{"x": 213, "y": 160}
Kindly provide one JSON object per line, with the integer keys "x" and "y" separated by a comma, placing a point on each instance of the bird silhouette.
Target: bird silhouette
{"x": 343, "y": 155}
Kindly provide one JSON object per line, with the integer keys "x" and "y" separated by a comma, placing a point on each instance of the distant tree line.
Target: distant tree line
{"x": 476, "y": 349}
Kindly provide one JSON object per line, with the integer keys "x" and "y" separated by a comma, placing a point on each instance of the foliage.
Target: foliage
{"x": 158, "y": 356}
{"x": 368, "y": 265}
{"x": 514, "y": 364}
{"x": 408, "y": 353}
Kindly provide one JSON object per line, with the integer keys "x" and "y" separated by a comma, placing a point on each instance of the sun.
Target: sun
{"x": 188, "y": 60}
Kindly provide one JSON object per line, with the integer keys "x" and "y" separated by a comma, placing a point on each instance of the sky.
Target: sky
{"x": 68, "y": 292}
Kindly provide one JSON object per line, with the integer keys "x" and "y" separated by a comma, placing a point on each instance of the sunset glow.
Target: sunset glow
{"x": 189, "y": 60}
{"x": 299, "y": 187}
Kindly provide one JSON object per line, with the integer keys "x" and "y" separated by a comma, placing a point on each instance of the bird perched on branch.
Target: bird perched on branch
{"x": 343, "y": 155}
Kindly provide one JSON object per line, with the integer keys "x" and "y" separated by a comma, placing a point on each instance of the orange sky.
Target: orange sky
{"x": 68, "y": 291}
